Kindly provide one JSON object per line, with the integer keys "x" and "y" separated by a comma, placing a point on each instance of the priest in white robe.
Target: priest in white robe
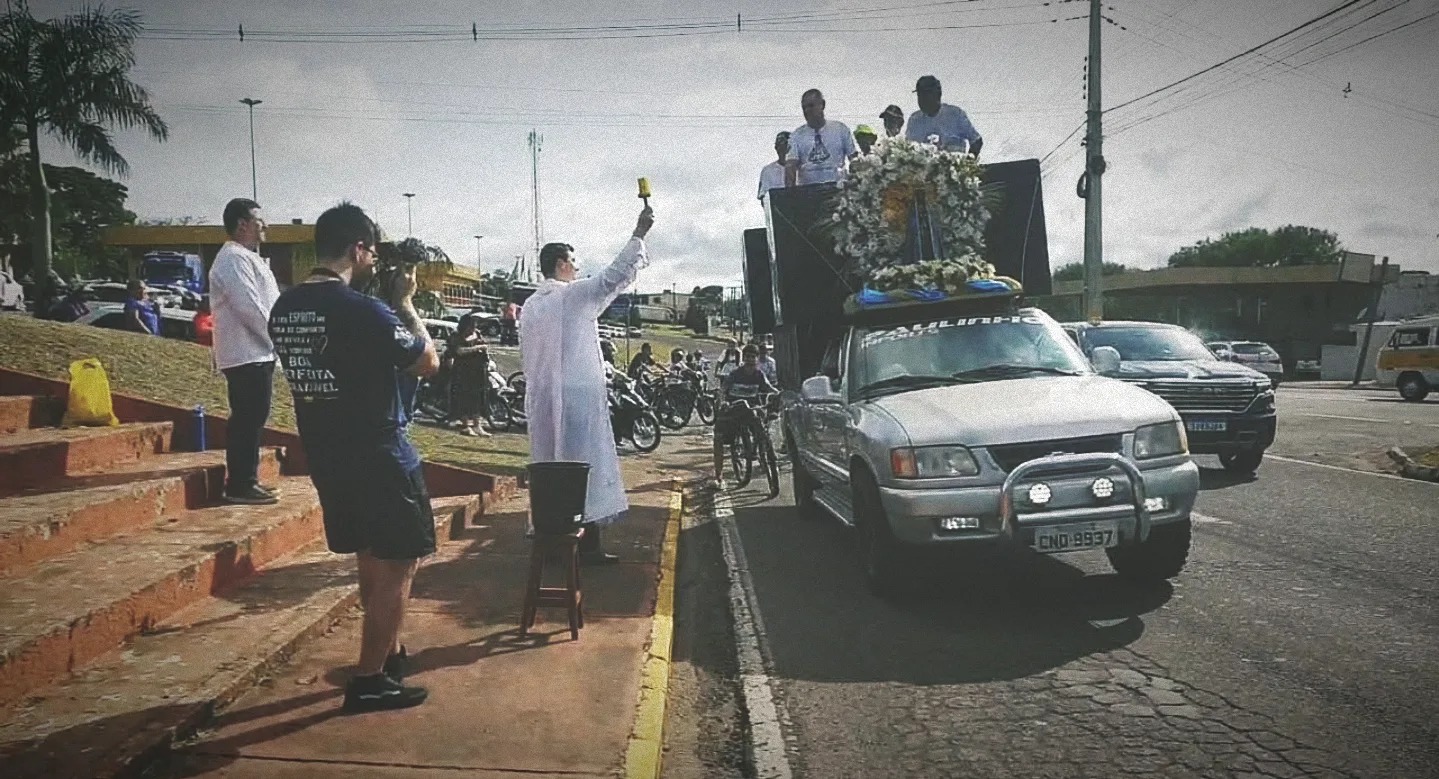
{"x": 566, "y": 399}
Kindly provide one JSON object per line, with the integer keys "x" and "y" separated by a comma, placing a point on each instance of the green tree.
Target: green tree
{"x": 82, "y": 206}
{"x": 70, "y": 78}
{"x": 1074, "y": 271}
{"x": 496, "y": 284}
{"x": 1257, "y": 247}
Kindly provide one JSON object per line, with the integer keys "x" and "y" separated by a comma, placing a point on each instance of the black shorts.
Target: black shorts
{"x": 383, "y": 510}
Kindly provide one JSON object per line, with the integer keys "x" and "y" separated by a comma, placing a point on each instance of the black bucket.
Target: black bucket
{"x": 557, "y": 496}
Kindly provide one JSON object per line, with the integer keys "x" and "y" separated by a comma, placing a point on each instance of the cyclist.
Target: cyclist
{"x": 730, "y": 359}
{"x": 747, "y": 374}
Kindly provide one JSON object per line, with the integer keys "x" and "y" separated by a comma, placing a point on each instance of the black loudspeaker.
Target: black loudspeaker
{"x": 809, "y": 283}
{"x": 759, "y": 280}
{"x": 1016, "y": 242}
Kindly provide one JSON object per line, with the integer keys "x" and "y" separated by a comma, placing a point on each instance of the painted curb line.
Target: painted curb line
{"x": 645, "y": 750}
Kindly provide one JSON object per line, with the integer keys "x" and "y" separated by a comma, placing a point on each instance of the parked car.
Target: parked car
{"x": 1228, "y": 407}
{"x": 1409, "y": 362}
{"x": 440, "y": 330}
{"x": 119, "y": 292}
{"x": 174, "y": 322}
{"x": 635, "y": 332}
{"x": 1257, "y": 355}
{"x": 12, "y": 294}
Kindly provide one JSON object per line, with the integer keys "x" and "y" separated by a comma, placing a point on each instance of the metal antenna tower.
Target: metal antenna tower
{"x": 536, "y": 142}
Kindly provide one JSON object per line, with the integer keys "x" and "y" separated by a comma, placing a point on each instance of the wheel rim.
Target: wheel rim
{"x": 646, "y": 432}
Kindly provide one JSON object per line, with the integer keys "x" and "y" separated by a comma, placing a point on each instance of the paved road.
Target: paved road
{"x": 1300, "y": 641}
{"x": 1352, "y": 427}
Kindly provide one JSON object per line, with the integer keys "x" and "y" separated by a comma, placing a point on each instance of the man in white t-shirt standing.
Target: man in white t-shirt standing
{"x": 771, "y": 176}
{"x": 937, "y": 119}
{"x": 242, "y": 292}
{"x": 818, "y": 150}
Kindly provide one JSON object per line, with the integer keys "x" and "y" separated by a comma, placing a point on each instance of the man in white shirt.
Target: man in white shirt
{"x": 819, "y": 150}
{"x": 771, "y": 176}
{"x": 242, "y": 292}
{"x": 937, "y": 119}
{"x": 767, "y": 364}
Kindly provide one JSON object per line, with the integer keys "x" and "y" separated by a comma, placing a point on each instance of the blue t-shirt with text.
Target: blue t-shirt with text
{"x": 345, "y": 356}
{"x": 149, "y": 313}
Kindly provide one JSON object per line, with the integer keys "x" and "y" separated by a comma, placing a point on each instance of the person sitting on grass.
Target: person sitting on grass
{"x": 749, "y": 375}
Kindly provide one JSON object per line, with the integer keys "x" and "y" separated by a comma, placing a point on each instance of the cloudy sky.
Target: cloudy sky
{"x": 368, "y": 100}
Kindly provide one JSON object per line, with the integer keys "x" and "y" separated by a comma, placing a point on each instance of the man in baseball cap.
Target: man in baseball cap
{"x": 771, "y": 176}
{"x": 942, "y": 121}
{"x": 893, "y": 117}
{"x": 865, "y": 137}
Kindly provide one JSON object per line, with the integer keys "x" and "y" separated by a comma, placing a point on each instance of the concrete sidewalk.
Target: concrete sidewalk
{"x": 499, "y": 704}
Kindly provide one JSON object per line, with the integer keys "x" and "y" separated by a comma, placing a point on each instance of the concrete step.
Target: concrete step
{"x": 32, "y": 457}
{"x": 23, "y": 412}
{"x": 114, "y": 717}
{"x": 58, "y": 516}
{"x": 64, "y": 612}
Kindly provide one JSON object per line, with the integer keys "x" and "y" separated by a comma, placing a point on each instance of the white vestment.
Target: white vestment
{"x": 565, "y": 394}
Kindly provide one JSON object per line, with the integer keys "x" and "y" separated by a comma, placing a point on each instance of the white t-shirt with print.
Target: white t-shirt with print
{"x": 821, "y": 153}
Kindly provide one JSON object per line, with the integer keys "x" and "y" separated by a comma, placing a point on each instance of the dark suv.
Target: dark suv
{"x": 1228, "y": 408}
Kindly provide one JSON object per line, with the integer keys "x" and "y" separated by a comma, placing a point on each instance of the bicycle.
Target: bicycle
{"x": 748, "y": 415}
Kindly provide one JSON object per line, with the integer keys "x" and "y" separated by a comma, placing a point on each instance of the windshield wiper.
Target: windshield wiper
{"x": 906, "y": 381}
{"x": 1011, "y": 369}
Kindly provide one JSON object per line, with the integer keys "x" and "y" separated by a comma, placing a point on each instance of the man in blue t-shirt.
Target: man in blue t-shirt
{"x": 346, "y": 357}
{"x": 141, "y": 313}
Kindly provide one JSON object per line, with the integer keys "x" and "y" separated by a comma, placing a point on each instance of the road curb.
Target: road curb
{"x": 645, "y": 750}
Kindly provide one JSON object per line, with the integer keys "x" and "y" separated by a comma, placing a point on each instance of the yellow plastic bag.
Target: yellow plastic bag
{"x": 89, "y": 396}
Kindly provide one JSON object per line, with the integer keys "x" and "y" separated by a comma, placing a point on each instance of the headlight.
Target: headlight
{"x": 1160, "y": 440}
{"x": 932, "y": 462}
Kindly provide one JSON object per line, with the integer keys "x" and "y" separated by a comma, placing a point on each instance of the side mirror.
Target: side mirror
{"x": 1105, "y": 360}
{"x": 817, "y": 389}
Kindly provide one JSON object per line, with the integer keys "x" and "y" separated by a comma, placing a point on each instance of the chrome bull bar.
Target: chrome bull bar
{"x": 1060, "y": 463}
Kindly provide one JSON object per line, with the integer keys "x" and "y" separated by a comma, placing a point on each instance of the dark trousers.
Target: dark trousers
{"x": 250, "y": 389}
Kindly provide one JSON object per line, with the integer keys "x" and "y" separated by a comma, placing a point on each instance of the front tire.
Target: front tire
{"x": 885, "y": 564}
{"x": 771, "y": 464}
{"x": 1242, "y": 463}
{"x": 1413, "y": 387}
{"x": 645, "y": 433}
{"x": 741, "y": 457}
{"x": 1161, "y": 556}
{"x": 705, "y": 407}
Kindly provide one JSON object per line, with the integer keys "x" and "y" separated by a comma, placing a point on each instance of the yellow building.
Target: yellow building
{"x": 457, "y": 285}
{"x": 290, "y": 247}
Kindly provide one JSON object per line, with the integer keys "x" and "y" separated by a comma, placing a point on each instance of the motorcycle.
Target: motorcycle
{"x": 679, "y": 396}
{"x": 631, "y": 416}
{"x": 507, "y": 400}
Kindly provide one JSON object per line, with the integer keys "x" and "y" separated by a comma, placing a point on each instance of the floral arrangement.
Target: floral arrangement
{"x": 900, "y": 184}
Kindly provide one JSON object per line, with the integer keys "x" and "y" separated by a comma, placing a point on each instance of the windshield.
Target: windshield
{"x": 166, "y": 270}
{"x": 1150, "y": 343}
{"x": 1251, "y": 348}
{"x": 964, "y": 350}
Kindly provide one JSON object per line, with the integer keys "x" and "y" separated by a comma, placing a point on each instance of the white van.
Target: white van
{"x": 1410, "y": 360}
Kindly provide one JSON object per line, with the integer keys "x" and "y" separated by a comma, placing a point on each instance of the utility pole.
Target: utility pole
{"x": 251, "y": 102}
{"x": 1373, "y": 314}
{"x": 536, "y": 141}
{"x": 410, "y": 212}
{"x": 479, "y": 265}
{"x": 1093, "y": 175}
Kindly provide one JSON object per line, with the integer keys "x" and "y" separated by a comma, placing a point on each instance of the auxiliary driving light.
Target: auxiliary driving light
{"x": 1155, "y": 504}
{"x": 959, "y": 523}
{"x": 1103, "y": 488}
{"x": 1039, "y": 494}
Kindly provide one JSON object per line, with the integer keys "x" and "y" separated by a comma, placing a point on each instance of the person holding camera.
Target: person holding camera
{"x": 566, "y": 397}
{"x": 345, "y": 355}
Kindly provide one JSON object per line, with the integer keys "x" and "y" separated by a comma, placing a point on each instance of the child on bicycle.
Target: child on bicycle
{"x": 748, "y": 375}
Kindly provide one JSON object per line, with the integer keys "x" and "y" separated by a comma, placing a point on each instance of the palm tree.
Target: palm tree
{"x": 70, "y": 78}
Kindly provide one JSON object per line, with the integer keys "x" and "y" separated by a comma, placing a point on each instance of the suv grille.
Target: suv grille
{"x": 1205, "y": 396}
{"x": 1011, "y": 456}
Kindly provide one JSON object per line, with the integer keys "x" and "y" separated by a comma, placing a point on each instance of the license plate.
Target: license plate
{"x": 1206, "y": 426}
{"x": 1053, "y": 539}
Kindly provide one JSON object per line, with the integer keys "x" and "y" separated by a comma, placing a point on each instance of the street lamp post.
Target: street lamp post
{"x": 410, "y": 212}
{"x": 251, "y": 102}
{"x": 479, "y": 264}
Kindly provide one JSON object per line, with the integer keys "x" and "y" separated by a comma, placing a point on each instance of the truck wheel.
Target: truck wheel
{"x": 804, "y": 484}
{"x": 1242, "y": 463}
{"x": 886, "y": 567}
{"x": 1161, "y": 556}
{"x": 1413, "y": 387}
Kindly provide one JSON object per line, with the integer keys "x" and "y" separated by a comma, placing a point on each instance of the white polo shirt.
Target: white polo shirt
{"x": 242, "y": 292}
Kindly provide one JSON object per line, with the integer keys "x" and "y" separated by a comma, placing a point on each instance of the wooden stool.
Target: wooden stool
{"x": 570, "y": 597}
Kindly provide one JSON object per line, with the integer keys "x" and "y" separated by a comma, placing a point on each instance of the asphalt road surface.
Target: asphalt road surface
{"x": 1301, "y": 640}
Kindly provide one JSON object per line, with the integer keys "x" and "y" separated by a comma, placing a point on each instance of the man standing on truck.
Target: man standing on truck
{"x": 771, "y": 176}
{"x": 941, "y": 120}
{"x": 893, "y": 118}
{"x": 242, "y": 292}
{"x": 819, "y": 149}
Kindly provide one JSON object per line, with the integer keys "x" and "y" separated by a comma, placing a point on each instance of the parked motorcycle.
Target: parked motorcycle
{"x": 507, "y": 401}
{"x": 631, "y": 416}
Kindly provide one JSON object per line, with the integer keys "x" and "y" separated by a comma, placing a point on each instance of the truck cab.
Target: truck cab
{"x": 964, "y": 429}
{"x": 173, "y": 269}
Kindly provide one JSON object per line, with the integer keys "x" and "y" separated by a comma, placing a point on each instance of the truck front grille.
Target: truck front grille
{"x": 1011, "y": 456}
{"x": 1205, "y": 396}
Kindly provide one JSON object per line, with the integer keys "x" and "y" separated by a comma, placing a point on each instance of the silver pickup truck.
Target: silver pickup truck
{"x": 967, "y": 431}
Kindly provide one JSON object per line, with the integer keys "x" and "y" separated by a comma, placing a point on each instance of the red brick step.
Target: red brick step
{"x": 116, "y": 716}
{"x": 23, "y": 412}
{"x": 51, "y": 520}
{"x": 37, "y": 456}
